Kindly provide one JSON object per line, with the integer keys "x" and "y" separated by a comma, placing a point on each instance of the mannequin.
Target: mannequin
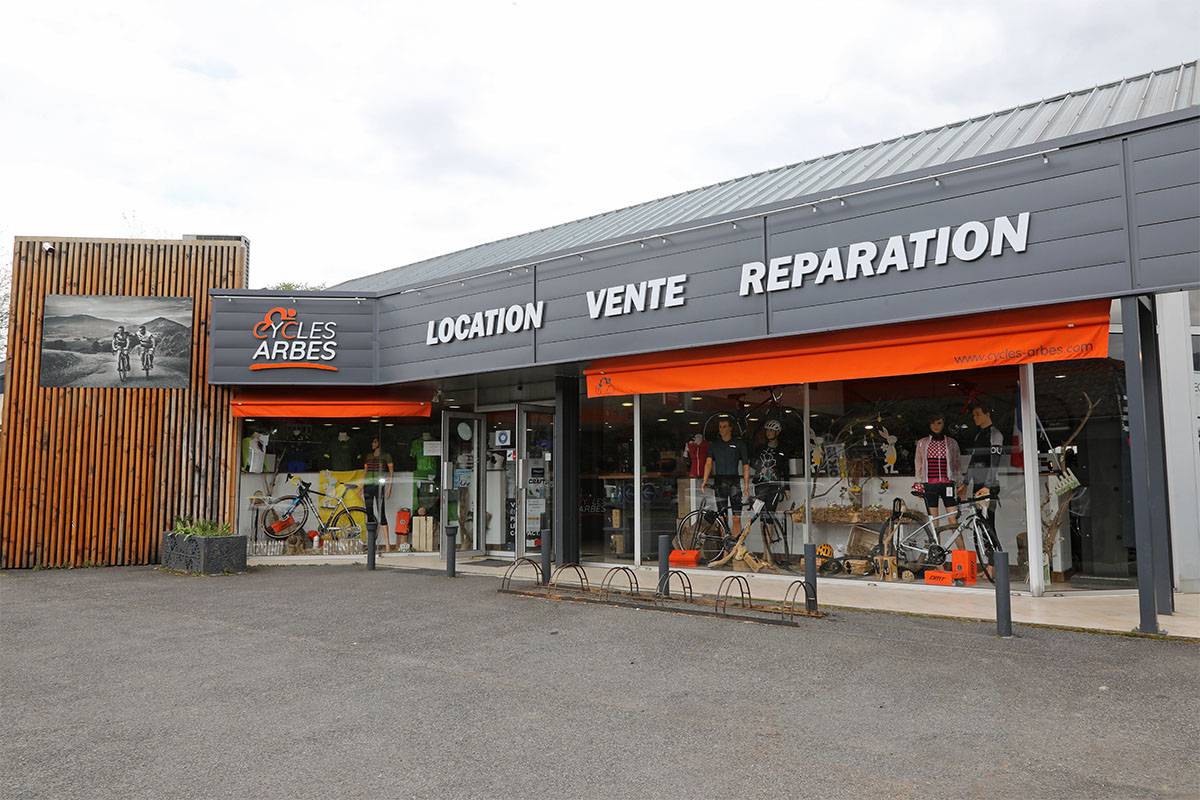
{"x": 983, "y": 467}
{"x": 938, "y": 463}
{"x": 377, "y": 487}
{"x": 728, "y": 463}
{"x": 696, "y": 452}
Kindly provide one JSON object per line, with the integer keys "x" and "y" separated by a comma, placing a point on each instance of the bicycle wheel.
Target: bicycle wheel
{"x": 691, "y": 528}
{"x": 280, "y": 509}
{"x": 986, "y": 547}
{"x": 708, "y": 534}
{"x": 344, "y": 527}
{"x": 902, "y": 540}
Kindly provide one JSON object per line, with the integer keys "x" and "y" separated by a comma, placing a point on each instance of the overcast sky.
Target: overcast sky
{"x": 345, "y": 138}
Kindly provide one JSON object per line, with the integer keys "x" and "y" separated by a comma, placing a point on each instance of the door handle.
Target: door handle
{"x": 520, "y": 473}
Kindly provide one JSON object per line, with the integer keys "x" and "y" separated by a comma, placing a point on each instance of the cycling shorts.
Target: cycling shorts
{"x": 728, "y": 489}
{"x": 939, "y": 491}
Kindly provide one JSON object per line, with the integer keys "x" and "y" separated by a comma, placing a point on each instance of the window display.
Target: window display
{"x": 313, "y": 486}
{"x": 606, "y": 479}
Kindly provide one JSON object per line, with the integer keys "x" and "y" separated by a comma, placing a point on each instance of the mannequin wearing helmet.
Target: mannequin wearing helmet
{"x": 770, "y": 466}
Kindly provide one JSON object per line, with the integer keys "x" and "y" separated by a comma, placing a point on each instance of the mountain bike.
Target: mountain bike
{"x": 285, "y": 516}
{"x": 707, "y": 530}
{"x": 123, "y": 368}
{"x": 927, "y": 544}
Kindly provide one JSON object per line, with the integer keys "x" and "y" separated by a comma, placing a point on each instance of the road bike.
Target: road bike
{"x": 123, "y": 368}
{"x": 928, "y": 544}
{"x": 707, "y": 530}
{"x": 286, "y": 516}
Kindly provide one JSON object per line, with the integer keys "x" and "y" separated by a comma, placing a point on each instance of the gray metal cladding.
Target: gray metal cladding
{"x": 1163, "y": 167}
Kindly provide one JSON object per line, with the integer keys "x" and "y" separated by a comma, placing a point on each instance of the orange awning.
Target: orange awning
{"x": 1047, "y": 333}
{"x": 326, "y": 404}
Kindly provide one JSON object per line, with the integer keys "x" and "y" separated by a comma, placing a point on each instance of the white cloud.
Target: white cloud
{"x": 347, "y": 138}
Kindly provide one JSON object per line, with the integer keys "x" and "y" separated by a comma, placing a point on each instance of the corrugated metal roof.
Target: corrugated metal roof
{"x": 1126, "y": 100}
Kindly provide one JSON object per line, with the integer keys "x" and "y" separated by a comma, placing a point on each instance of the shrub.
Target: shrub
{"x": 189, "y": 526}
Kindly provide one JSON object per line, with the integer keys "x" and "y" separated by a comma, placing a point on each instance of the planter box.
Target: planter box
{"x": 205, "y": 554}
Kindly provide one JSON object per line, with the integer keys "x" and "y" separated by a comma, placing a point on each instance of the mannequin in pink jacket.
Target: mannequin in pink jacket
{"x": 939, "y": 468}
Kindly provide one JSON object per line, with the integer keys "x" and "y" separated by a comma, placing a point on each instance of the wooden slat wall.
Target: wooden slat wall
{"x": 93, "y": 476}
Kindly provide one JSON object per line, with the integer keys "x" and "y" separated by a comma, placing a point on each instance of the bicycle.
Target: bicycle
{"x": 147, "y": 361}
{"x": 922, "y": 544}
{"x": 123, "y": 368}
{"x": 707, "y": 530}
{"x": 285, "y": 516}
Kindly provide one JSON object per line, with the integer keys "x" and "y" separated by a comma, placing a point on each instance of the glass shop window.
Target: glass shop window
{"x": 313, "y": 486}
{"x": 606, "y": 489}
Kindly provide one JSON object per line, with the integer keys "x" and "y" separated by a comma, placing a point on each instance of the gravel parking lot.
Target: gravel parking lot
{"x": 335, "y": 682}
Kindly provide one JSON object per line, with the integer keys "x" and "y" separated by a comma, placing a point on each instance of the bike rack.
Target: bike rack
{"x": 606, "y": 585}
{"x": 793, "y": 594}
{"x": 685, "y": 585}
{"x": 506, "y": 581}
{"x": 583, "y": 579}
{"x": 724, "y": 590}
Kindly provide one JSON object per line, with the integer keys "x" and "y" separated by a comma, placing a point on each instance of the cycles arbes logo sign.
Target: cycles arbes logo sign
{"x": 287, "y": 342}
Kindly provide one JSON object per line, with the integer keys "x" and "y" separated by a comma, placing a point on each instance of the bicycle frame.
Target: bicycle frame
{"x": 927, "y": 530}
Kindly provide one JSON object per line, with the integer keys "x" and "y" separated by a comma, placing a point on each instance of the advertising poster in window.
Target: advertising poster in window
{"x": 106, "y": 341}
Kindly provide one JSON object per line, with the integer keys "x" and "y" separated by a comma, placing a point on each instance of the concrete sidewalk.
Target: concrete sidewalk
{"x": 1107, "y": 611}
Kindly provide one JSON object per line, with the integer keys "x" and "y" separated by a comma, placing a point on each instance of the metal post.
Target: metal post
{"x": 637, "y": 480}
{"x": 1033, "y": 482}
{"x": 547, "y": 557}
{"x": 664, "y": 564}
{"x": 808, "y": 476}
{"x": 810, "y": 575}
{"x": 1139, "y": 463}
{"x": 451, "y": 549}
{"x": 372, "y": 531}
{"x": 1003, "y": 594}
{"x": 1164, "y": 589}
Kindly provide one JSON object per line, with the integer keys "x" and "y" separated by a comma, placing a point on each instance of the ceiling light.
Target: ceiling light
{"x": 869, "y": 427}
{"x": 328, "y": 424}
{"x": 627, "y": 404}
{"x": 389, "y": 424}
{"x": 662, "y": 419}
{"x": 679, "y": 411}
{"x": 754, "y": 419}
{"x": 697, "y": 397}
{"x": 1060, "y": 377}
{"x": 456, "y": 406}
{"x": 249, "y": 419}
{"x": 787, "y": 411}
{"x": 355, "y": 428}
{"x": 451, "y": 400}
{"x": 693, "y": 422}
{"x": 954, "y": 384}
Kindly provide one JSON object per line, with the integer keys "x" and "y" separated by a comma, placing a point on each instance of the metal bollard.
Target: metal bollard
{"x": 451, "y": 549}
{"x": 547, "y": 558}
{"x": 664, "y": 565}
{"x": 1003, "y": 595}
{"x": 372, "y": 530}
{"x": 810, "y": 576}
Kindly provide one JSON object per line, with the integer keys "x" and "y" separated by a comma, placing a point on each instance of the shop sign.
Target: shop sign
{"x": 967, "y": 242}
{"x": 492, "y": 322}
{"x": 287, "y": 342}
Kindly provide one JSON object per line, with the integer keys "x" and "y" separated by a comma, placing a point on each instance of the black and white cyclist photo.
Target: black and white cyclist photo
{"x": 102, "y": 341}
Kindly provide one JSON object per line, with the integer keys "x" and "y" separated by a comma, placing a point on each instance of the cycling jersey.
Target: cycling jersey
{"x": 121, "y": 341}
{"x": 145, "y": 342}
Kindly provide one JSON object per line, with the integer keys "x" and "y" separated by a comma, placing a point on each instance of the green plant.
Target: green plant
{"x": 190, "y": 526}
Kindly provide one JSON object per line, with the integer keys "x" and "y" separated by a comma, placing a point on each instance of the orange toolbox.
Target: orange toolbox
{"x": 964, "y": 566}
{"x": 939, "y": 577}
{"x": 684, "y": 558}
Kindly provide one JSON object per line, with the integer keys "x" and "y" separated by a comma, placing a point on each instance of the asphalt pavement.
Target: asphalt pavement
{"x": 335, "y": 682}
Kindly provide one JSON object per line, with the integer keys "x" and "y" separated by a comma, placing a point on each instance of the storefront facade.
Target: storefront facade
{"x": 567, "y": 388}
{"x": 994, "y": 292}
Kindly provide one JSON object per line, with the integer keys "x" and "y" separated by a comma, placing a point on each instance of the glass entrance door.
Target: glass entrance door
{"x": 536, "y": 477}
{"x": 462, "y": 470}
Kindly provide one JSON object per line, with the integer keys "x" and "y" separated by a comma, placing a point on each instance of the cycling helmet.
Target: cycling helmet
{"x": 773, "y": 425}
{"x": 825, "y": 550}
